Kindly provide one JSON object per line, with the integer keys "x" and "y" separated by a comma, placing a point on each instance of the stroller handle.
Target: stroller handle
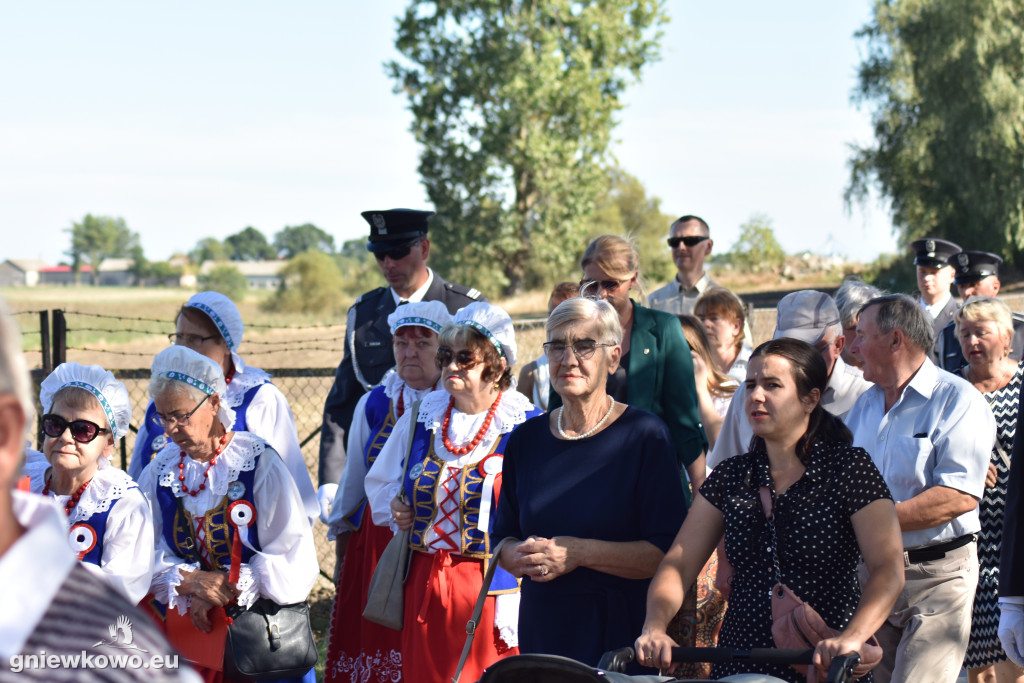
{"x": 841, "y": 668}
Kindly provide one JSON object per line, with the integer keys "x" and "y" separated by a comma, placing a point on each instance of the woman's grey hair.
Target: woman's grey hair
{"x": 580, "y": 311}
{"x": 160, "y": 385}
{"x": 985, "y": 308}
{"x": 902, "y": 312}
{"x": 14, "y": 378}
{"x": 851, "y": 295}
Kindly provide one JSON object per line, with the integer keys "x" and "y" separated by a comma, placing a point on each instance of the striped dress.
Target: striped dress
{"x": 984, "y": 647}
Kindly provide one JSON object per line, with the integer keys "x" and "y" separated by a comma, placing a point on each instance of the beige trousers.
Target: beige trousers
{"x": 925, "y": 637}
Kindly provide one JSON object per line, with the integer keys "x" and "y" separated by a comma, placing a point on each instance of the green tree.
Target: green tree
{"x": 97, "y": 238}
{"x": 946, "y": 84}
{"x": 757, "y": 250}
{"x": 357, "y": 266}
{"x": 513, "y": 105}
{"x": 249, "y": 245}
{"x": 140, "y": 264}
{"x": 310, "y": 283}
{"x": 293, "y": 240}
{"x": 208, "y": 249}
{"x": 225, "y": 279}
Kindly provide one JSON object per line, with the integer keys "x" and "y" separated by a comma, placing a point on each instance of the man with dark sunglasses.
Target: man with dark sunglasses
{"x": 690, "y": 241}
{"x": 398, "y": 240}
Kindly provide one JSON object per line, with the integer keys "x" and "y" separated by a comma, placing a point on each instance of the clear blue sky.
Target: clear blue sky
{"x": 192, "y": 119}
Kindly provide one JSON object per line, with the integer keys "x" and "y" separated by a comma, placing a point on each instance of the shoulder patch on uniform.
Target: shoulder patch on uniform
{"x": 468, "y": 292}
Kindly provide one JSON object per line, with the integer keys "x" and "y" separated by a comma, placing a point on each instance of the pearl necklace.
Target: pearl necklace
{"x": 206, "y": 472}
{"x": 561, "y": 432}
{"x": 462, "y": 450}
{"x": 75, "y": 497}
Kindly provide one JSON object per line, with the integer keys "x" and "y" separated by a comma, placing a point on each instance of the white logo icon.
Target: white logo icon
{"x": 121, "y": 635}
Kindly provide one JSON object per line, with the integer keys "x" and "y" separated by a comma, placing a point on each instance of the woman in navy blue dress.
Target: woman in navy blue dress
{"x": 592, "y": 494}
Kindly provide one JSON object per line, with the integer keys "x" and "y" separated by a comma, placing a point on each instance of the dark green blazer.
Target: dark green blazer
{"x": 660, "y": 380}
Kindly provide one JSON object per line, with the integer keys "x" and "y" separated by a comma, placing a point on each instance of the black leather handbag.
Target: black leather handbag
{"x": 269, "y": 641}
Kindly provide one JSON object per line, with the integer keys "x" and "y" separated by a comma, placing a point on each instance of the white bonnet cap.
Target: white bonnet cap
{"x": 193, "y": 368}
{"x": 492, "y": 322}
{"x": 430, "y": 314}
{"x": 112, "y": 395}
{"x": 224, "y": 314}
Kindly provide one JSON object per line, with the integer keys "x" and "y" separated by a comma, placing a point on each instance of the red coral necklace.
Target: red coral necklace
{"x": 206, "y": 472}
{"x": 462, "y": 450}
{"x": 400, "y": 403}
{"x": 75, "y": 497}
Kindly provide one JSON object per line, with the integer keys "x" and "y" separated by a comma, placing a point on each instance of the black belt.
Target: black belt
{"x": 939, "y": 550}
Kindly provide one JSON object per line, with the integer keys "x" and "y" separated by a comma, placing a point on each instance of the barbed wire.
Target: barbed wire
{"x": 162, "y": 321}
{"x": 150, "y": 354}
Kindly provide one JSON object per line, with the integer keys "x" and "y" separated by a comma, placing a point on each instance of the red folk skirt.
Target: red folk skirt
{"x": 360, "y": 650}
{"x": 440, "y": 593}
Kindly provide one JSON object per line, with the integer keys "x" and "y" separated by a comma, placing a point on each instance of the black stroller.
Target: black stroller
{"x": 555, "y": 669}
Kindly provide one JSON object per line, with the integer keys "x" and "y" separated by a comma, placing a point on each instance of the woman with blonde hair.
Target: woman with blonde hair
{"x": 714, "y": 388}
{"x": 655, "y": 372}
{"x": 984, "y": 327}
{"x": 724, "y": 315}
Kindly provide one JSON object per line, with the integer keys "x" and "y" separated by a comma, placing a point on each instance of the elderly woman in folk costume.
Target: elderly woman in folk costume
{"x": 451, "y": 480}
{"x": 358, "y": 645}
{"x": 86, "y": 412}
{"x": 203, "y": 488}
{"x": 210, "y": 324}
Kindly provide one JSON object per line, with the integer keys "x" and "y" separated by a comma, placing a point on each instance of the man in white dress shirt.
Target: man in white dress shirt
{"x": 930, "y": 433}
{"x": 812, "y": 317}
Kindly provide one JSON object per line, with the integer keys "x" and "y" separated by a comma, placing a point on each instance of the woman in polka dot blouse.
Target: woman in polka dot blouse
{"x": 831, "y": 507}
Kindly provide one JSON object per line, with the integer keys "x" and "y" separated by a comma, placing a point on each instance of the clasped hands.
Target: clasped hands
{"x": 541, "y": 559}
{"x": 208, "y": 590}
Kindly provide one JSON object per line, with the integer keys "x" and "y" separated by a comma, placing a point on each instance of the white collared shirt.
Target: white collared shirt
{"x": 418, "y": 294}
{"x": 939, "y": 433}
{"x": 32, "y": 570}
{"x": 678, "y": 299}
{"x": 935, "y": 309}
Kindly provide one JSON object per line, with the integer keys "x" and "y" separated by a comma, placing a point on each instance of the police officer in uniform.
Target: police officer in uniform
{"x": 934, "y": 279}
{"x": 977, "y": 274}
{"x": 398, "y": 240}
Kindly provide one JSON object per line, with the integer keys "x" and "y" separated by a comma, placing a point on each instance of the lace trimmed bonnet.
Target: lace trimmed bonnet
{"x": 194, "y": 369}
{"x": 112, "y": 395}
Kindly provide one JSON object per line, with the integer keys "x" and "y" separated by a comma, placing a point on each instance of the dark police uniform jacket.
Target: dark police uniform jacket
{"x": 944, "y": 318}
{"x": 368, "y": 356}
{"x": 952, "y": 355}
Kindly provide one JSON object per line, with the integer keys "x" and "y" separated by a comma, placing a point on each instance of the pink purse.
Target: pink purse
{"x": 797, "y": 625}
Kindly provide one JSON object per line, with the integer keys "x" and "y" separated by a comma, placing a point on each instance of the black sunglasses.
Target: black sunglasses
{"x": 464, "y": 358}
{"x": 689, "y": 240}
{"x": 606, "y": 285}
{"x": 397, "y": 253}
{"x": 82, "y": 431}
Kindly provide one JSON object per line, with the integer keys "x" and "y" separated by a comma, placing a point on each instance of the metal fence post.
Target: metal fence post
{"x": 44, "y": 341}
{"x": 60, "y": 337}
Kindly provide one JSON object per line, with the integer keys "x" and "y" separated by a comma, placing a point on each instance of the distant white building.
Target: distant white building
{"x": 258, "y": 274}
{"x": 21, "y": 272}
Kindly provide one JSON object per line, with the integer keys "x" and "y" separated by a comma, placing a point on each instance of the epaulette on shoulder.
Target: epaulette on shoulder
{"x": 468, "y": 292}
